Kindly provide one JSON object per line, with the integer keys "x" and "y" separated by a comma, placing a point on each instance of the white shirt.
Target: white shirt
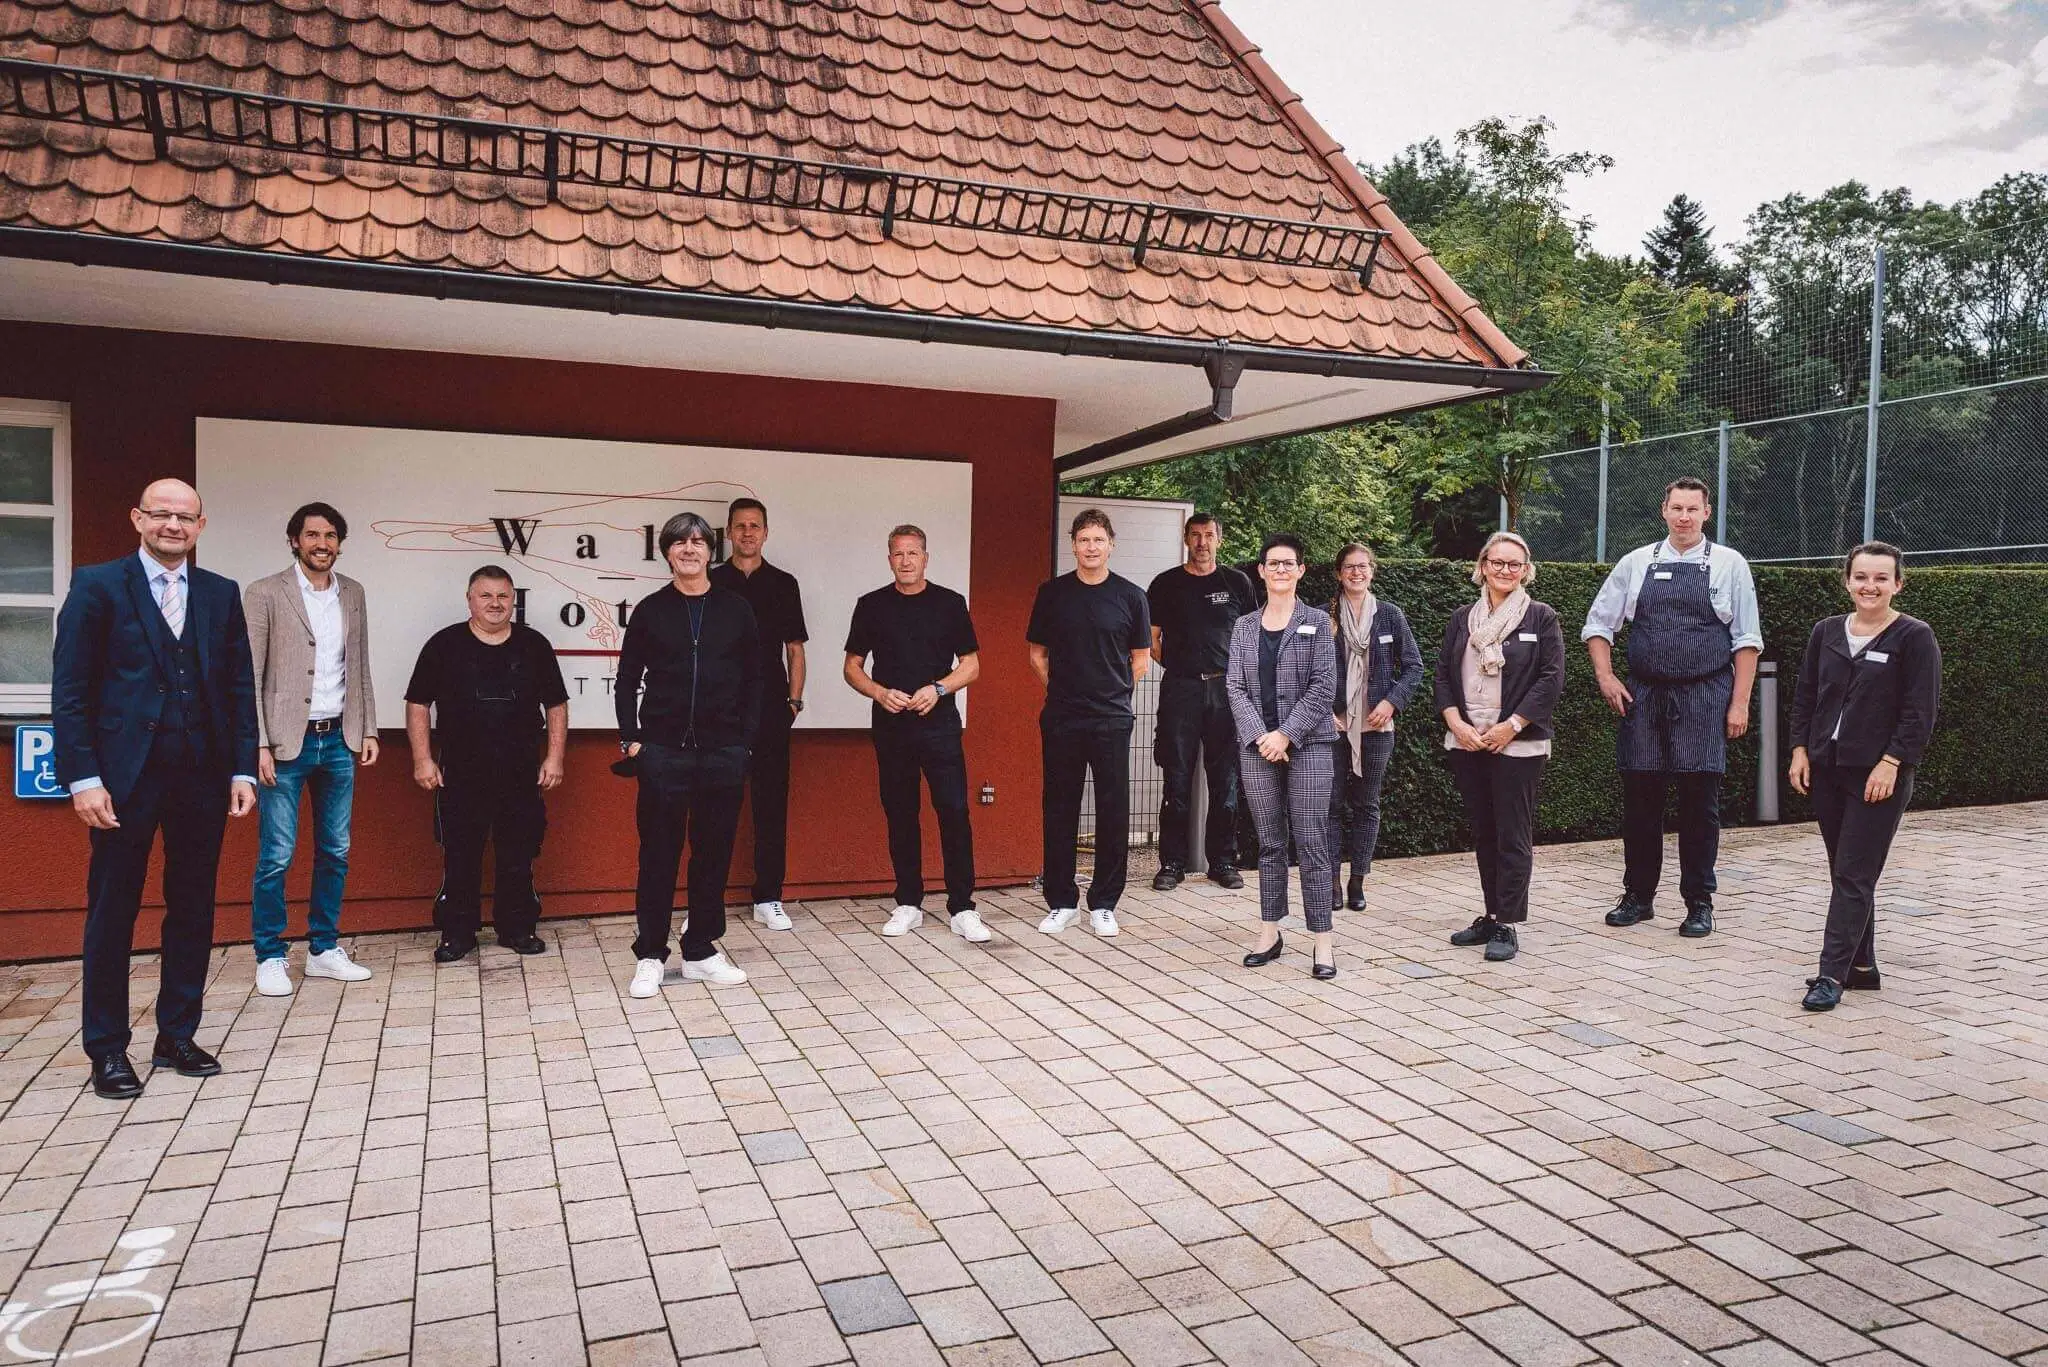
{"x": 323, "y": 611}
{"x": 1729, "y": 584}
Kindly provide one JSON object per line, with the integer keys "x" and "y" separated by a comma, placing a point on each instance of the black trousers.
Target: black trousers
{"x": 768, "y": 783}
{"x": 1355, "y": 801}
{"x": 903, "y": 754}
{"x": 686, "y": 796}
{"x": 189, "y": 803}
{"x": 1500, "y": 807}
{"x": 1643, "y": 794}
{"x": 1195, "y": 726}
{"x": 500, "y": 803}
{"x": 1070, "y": 754}
{"x": 1858, "y": 836}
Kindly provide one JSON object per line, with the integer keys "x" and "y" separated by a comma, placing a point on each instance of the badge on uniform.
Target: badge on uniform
{"x": 1527, "y": 636}
{"x": 1386, "y": 640}
{"x": 1877, "y": 657}
{"x": 1305, "y": 629}
{"x": 1662, "y": 574}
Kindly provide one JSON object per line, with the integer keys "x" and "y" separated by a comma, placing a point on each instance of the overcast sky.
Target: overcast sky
{"x": 1733, "y": 102}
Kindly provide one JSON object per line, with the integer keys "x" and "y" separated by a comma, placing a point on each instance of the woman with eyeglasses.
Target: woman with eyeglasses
{"x": 1498, "y": 679}
{"x": 1378, "y": 670}
{"x": 1282, "y": 681}
{"x": 1869, "y": 688}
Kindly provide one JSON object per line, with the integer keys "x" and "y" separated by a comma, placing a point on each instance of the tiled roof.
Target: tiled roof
{"x": 1156, "y": 100}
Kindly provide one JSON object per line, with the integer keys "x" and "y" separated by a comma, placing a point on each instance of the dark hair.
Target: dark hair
{"x": 489, "y": 572}
{"x": 297, "y": 522}
{"x": 908, "y": 529}
{"x": 1878, "y": 548}
{"x": 682, "y": 527}
{"x": 1689, "y": 482}
{"x": 1201, "y": 520}
{"x": 742, "y": 505}
{"x": 1284, "y": 539}
{"x": 1091, "y": 517}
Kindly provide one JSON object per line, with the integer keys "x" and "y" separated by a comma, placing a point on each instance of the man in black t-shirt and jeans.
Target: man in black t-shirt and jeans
{"x": 491, "y": 692}
{"x": 1194, "y": 606}
{"x": 778, "y": 605}
{"x": 1091, "y": 639}
{"x": 925, "y": 652}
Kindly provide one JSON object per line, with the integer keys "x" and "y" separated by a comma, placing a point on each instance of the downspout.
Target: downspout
{"x": 1222, "y": 366}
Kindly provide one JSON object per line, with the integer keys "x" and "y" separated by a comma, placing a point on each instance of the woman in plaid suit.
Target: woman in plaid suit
{"x": 1282, "y": 684}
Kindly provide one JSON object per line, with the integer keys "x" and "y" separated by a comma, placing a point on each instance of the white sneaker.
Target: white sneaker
{"x": 335, "y": 963}
{"x": 771, "y": 916}
{"x": 1103, "y": 921}
{"x": 646, "y": 978}
{"x": 717, "y": 969}
{"x": 903, "y": 920}
{"x": 271, "y": 978}
{"x": 1057, "y": 921}
{"x": 967, "y": 925}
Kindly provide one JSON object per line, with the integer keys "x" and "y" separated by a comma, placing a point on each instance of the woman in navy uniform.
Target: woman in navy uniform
{"x": 1869, "y": 688}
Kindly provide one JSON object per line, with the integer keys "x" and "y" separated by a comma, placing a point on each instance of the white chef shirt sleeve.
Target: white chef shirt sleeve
{"x": 1612, "y": 605}
{"x": 1745, "y": 626}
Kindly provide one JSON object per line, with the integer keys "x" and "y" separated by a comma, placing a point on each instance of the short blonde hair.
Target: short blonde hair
{"x": 1479, "y": 562}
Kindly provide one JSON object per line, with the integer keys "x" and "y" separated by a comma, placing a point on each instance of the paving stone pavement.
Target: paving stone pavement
{"x": 1622, "y": 1147}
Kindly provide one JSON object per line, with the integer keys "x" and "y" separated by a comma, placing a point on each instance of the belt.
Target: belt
{"x": 323, "y": 726}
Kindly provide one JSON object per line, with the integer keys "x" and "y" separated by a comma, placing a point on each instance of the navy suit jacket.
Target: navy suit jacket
{"x": 110, "y": 677}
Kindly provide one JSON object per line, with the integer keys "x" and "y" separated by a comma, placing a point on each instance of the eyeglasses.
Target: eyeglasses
{"x": 1284, "y": 566}
{"x": 161, "y": 515}
{"x": 1360, "y": 568}
{"x": 1507, "y": 566}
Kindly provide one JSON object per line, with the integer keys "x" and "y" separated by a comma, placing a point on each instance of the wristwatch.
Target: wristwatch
{"x": 940, "y": 689}
{"x": 795, "y": 704}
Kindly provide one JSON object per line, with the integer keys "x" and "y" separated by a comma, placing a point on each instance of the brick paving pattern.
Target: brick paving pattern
{"x": 1622, "y": 1147}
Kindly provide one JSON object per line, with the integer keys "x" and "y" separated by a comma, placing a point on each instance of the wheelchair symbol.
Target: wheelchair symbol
{"x": 135, "y": 1317}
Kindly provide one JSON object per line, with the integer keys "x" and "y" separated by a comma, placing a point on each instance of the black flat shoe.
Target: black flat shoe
{"x": 113, "y": 1077}
{"x": 1863, "y": 980}
{"x": 1226, "y": 877}
{"x": 1323, "y": 972}
{"x": 185, "y": 1056}
{"x": 1822, "y": 994}
{"x": 525, "y": 944}
{"x": 1259, "y": 958}
{"x": 1503, "y": 946}
{"x": 1699, "y": 920}
{"x": 1628, "y": 911}
{"x": 1478, "y": 933}
{"x": 1167, "y": 879}
{"x": 448, "y": 951}
{"x": 1354, "y": 894}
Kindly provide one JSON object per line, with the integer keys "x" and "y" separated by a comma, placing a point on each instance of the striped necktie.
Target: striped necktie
{"x": 172, "y": 601}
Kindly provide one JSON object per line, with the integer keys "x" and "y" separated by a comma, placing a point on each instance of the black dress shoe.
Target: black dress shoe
{"x": 1354, "y": 893}
{"x": 1478, "y": 933}
{"x": 1322, "y": 972}
{"x": 1167, "y": 879}
{"x": 1863, "y": 980}
{"x": 453, "y": 951}
{"x": 1503, "y": 946}
{"x": 1259, "y": 958}
{"x": 528, "y": 943}
{"x": 1628, "y": 911}
{"x": 1224, "y": 876}
{"x": 1822, "y": 994}
{"x": 1699, "y": 920}
{"x": 185, "y": 1056}
{"x": 113, "y": 1077}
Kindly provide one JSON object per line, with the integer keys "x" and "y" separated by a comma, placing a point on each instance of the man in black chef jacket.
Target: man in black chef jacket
{"x": 1194, "y": 606}
{"x": 925, "y": 652}
{"x": 778, "y": 605}
{"x": 1694, "y": 636}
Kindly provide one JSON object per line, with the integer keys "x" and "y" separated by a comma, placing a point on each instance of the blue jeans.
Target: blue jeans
{"x": 324, "y": 765}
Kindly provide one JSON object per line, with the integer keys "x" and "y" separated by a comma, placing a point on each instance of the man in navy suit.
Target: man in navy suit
{"x": 154, "y": 700}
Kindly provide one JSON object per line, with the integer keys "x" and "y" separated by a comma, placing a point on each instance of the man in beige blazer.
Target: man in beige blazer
{"x": 309, "y": 635}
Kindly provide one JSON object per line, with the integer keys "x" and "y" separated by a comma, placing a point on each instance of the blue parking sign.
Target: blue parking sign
{"x": 35, "y": 762}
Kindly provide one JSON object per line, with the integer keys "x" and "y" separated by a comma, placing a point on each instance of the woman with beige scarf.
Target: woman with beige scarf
{"x": 1378, "y": 670}
{"x": 1498, "y": 679}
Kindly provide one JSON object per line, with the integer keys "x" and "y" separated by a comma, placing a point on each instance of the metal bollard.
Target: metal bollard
{"x": 1767, "y": 741}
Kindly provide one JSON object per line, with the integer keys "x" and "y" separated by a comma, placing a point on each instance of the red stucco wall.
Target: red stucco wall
{"x": 134, "y": 397}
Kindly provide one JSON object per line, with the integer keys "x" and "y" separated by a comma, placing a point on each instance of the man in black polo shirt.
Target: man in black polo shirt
{"x": 925, "y": 652}
{"x": 778, "y": 605}
{"x": 694, "y": 645}
{"x": 1194, "y": 607}
{"x": 1091, "y": 639}
{"x": 493, "y": 695}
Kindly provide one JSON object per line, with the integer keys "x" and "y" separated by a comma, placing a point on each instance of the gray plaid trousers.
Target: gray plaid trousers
{"x": 1292, "y": 797}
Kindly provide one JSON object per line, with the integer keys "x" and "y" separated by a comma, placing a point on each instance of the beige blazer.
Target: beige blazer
{"x": 281, "y": 643}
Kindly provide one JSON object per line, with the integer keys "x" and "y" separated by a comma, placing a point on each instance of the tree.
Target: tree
{"x": 1680, "y": 250}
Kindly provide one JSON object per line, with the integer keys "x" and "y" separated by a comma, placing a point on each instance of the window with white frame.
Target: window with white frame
{"x": 35, "y": 547}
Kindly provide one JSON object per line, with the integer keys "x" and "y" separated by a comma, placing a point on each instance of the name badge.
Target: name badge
{"x": 1877, "y": 657}
{"x": 1305, "y": 629}
{"x": 1662, "y": 574}
{"x": 1526, "y": 636}
{"x": 1386, "y": 640}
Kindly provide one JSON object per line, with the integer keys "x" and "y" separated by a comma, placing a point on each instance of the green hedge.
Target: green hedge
{"x": 1993, "y": 628}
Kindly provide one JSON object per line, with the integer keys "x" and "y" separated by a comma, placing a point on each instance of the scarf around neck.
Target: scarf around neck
{"x": 1489, "y": 629}
{"x": 1357, "y": 634}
